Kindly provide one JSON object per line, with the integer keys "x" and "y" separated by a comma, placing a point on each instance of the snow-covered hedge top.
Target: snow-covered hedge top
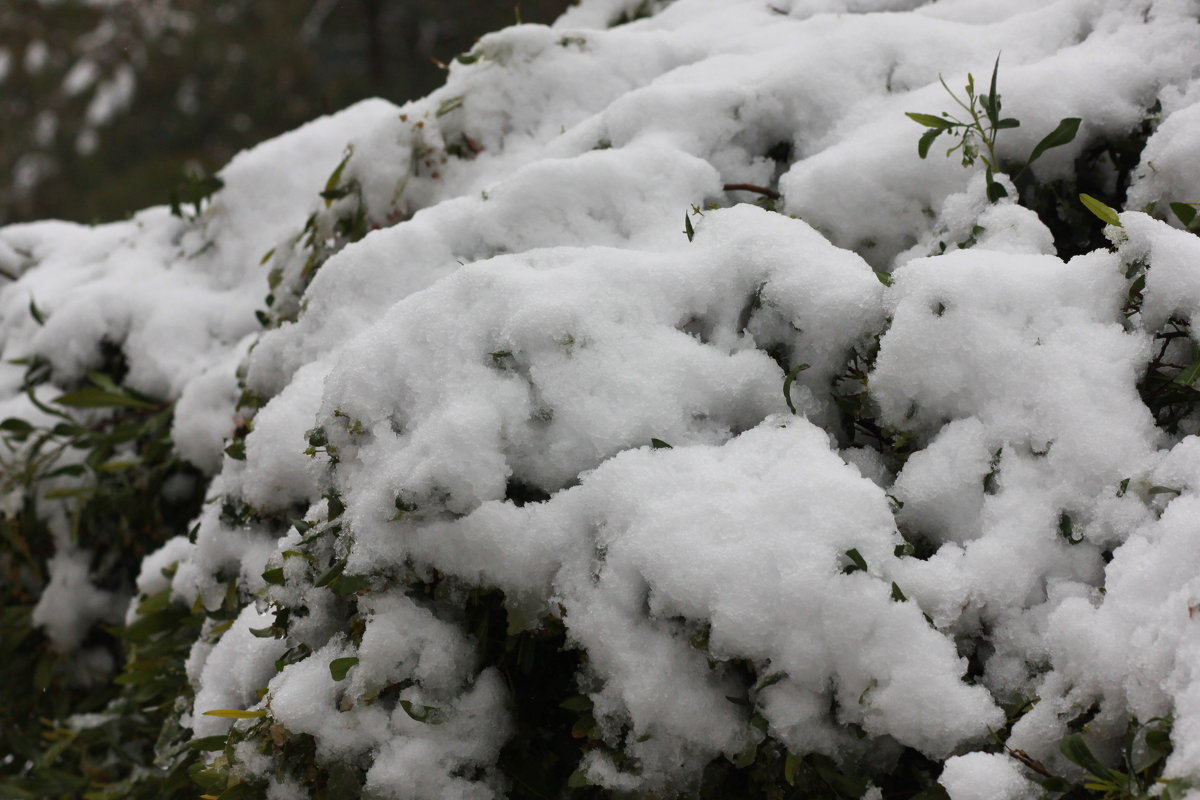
{"x": 477, "y": 381}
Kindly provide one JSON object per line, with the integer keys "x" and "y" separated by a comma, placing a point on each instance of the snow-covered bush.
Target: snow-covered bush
{"x": 511, "y": 487}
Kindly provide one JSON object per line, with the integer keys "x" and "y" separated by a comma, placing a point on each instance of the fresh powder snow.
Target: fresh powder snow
{"x": 528, "y": 310}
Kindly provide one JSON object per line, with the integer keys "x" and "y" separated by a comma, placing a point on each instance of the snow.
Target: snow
{"x": 525, "y": 314}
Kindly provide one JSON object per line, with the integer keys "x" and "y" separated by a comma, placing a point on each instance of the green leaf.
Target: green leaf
{"x": 1075, "y": 748}
{"x": 1056, "y": 784}
{"x": 346, "y": 585}
{"x": 1185, "y": 213}
{"x": 241, "y": 791}
{"x": 1158, "y": 740}
{"x": 274, "y": 576}
{"x": 687, "y": 227}
{"x": 235, "y": 713}
{"x": 580, "y": 704}
{"x": 208, "y": 743}
{"x": 659, "y": 444}
{"x": 1190, "y": 375}
{"x": 930, "y": 120}
{"x": 36, "y": 313}
{"x": 92, "y": 397}
{"x": 335, "y": 178}
{"x": 331, "y": 573}
{"x": 991, "y": 103}
{"x": 790, "y": 762}
{"x": 119, "y": 466}
{"x": 340, "y": 666}
{"x": 1104, "y": 213}
{"x": 884, "y": 277}
{"x": 859, "y": 563}
{"x": 897, "y": 595}
{"x": 236, "y": 450}
{"x": 1066, "y": 528}
{"x": 926, "y": 141}
{"x": 268, "y": 632}
{"x": 1064, "y": 133}
{"x": 788, "y": 380}
{"x": 1175, "y": 789}
{"x": 995, "y": 190}
{"x": 747, "y": 756}
{"x": 577, "y": 780}
{"x": 418, "y": 713}
{"x": 17, "y": 426}
{"x": 1163, "y": 490}
{"x": 449, "y": 105}
{"x": 1007, "y": 123}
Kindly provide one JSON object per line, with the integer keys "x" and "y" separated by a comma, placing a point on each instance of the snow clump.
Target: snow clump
{"x": 529, "y": 355}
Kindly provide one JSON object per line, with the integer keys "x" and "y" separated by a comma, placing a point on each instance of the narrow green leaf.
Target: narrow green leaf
{"x": 580, "y": 704}
{"x": 926, "y": 141}
{"x": 92, "y": 397}
{"x": 991, "y": 103}
{"x": 119, "y": 466}
{"x": 235, "y": 713}
{"x": 36, "y": 313}
{"x": 58, "y": 494}
{"x": 788, "y": 380}
{"x": 331, "y": 573}
{"x": 859, "y": 563}
{"x": 1163, "y": 490}
{"x": 1105, "y": 214}
{"x": 241, "y": 791}
{"x": 449, "y": 105}
{"x": 930, "y": 120}
{"x": 340, "y": 666}
{"x": 687, "y": 227}
{"x": 1007, "y": 123}
{"x": 884, "y": 277}
{"x": 105, "y": 382}
{"x": 1056, "y": 784}
{"x": 1190, "y": 375}
{"x": 208, "y": 743}
{"x": 1185, "y": 213}
{"x": 1066, "y": 528}
{"x": 897, "y": 595}
{"x": 17, "y": 426}
{"x": 995, "y": 190}
{"x": 1158, "y": 740}
{"x": 746, "y": 757}
{"x": 346, "y": 585}
{"x": 418, "y": 713}
{"x": 577, "y": 780}
{"x": 1063, "y": 134}
{"x": 659, "y": 444}
{"x": 274, "y": 576}
{"x": 334, "y": 179}
{"x": 1075, "y": 748}
{"x": 790, "y": 762}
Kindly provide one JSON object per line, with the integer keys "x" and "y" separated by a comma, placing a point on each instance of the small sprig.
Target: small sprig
{"x": 977, "y": 131}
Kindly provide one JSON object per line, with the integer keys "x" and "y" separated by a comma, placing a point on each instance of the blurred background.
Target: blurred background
{"x": 105, "y": 105}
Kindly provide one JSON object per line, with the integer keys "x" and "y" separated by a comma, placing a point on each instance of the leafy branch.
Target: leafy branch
{"x": 978, "y": 127}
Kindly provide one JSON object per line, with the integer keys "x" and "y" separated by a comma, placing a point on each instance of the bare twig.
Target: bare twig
{"x": 750, "y": 187}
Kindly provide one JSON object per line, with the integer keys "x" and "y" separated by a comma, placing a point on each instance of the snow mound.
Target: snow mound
{"x": 517, "y": 371}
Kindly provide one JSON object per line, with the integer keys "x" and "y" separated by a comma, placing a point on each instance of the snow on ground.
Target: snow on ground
{"x": 527, "y": 311}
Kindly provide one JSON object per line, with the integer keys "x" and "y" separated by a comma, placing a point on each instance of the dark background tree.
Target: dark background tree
{"x": 104, "y": 107}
